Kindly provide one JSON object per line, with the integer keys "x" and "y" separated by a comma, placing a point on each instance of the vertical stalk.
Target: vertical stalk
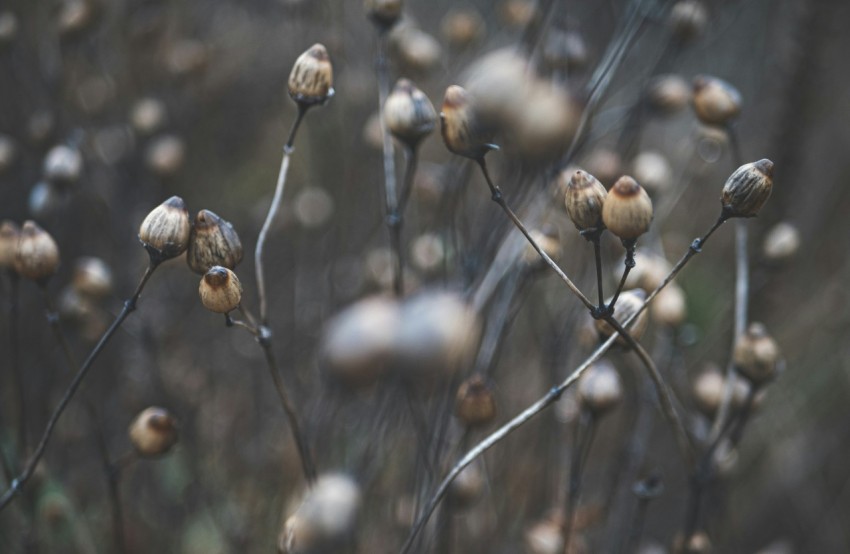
{"x": 584, "y": 433}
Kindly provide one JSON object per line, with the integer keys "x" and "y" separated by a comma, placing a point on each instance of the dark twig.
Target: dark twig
{"x": 629, "y": 263}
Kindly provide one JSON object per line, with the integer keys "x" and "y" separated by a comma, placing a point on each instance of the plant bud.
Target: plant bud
{"x": 383, "y": 13}
{"x": 668, "y": 93}
{"x": 467, "y": 487}
{"x": 462, "y": 27}
{"x": 165, "y": 155}
{"x": 153, "y": 432}
{"x": 781, "y": 242}
{"x": 36, "y": 256}
{"x": 600, "y": 388}
{"x": 409, "y": 114}
{"x": 716, "y": 102}
{"x": 475, "y": 404}
{"x": 628, "y": 210}
{"x": 747, "y": 189}
{"x": 628, "y": 303}
{"x": 165, "y": 231}
{"x": 92, "y": 278}
{"x": 461, "y": 131}
{"x": 756, "y": 355}
{"x": 688, "y": 19}
{"x": 427, "y": 253}
{"x": 669, "y": 307}
{"x": 326, "y": 520}
{"x": 8, "y": 153}
{"x": 653, "y": 171}
{"x": 212, "y": 241}
{"x": 63, "y": 165}
{"x": 500, "y": 84}
{"x": 149, "y": 115}
{"x": 9, "y": 235}
{"x": 584, "y": 199}
{"x": 220, "y": 290}
{"x": 311, "y": 79}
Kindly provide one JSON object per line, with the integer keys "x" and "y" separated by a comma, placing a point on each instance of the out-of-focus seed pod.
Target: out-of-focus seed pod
{"x": 747, "y": 189}
{"x": 475, "y": 403}
{"x": 74, "y": 16}
{"x": 668, "y": 93}
{"x": 517, "y": 13}
{"x": 460, "y": 126}
{"x": 427, "y": 252}
{"x": 417, "y": 51}
{"x": 687, "y": 19}
{"x": 545, "y": 537}
{"x": 781, "y": 242}
{"x": 627, "y": 211}
{"x": 63, "y": 165}
{"x": 698, "y": 543}
{"x": 709, "y": 387}
{"x": 652, "y": 171}
{"x": 166, "y": 229}
{"x": 628, "y": 304}
{"x": 756, "y": 355}
{"x": 462, "y": 27}
{"x": 313, "y": 207}
{"x": 37, "y": 255}
{"x": 40, "y": 127}
{"x": 92, "y": 277}
{"x": 153, "y": 432}
{"x": 212, "y": 241}
{"x": 74, "y": 306}
{"x": 44, "y": 199}
{"x": 148, "y": 116}
{"x": 220, "y": 290}
{"x": 565, "y": 51}
{"x": 715, "y": 101}
{"x": 8, "y": 27}
{"x": 8, "y": 153}
{"x": 311, "y": 78}
{"x": 600, "y": 388}
{"x": 165, "y": 155}
{"x": 186, "y": 57}
{"x": 357, "y": 344}
{"x": 326, "y": 520}
{"x": 409, "y": 114}
{"x": 383, "y": 13}
{"x": 605, "y": 165}
{"x": 467, "y": 487}
{"x": 584, "y": 199}
{"x": 669, "y": 307}
{"x": 500, "y": 83}
{"x": 544, "y": 129}
{"x": 9, "y": 235}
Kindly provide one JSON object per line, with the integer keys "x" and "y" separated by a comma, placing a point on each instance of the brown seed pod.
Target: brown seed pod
{"x": 9, "y": 235}
{"x": 544, "y": 128}
{"x": 500, "y": 84}
{"x": 668, "y": 93}
{"x": 311, "y": 79}
{"x": 166, "y": 229}
{"x": 715, "y": 101}
{"x": 212, "y": 241}
{"x": 74, "y": 16}
{"x": 600, "y": 388}
{"x": 475, "y": 404}
{"x": 326, "y": 519}
{"x": 584, "y": 199}
{"x": 409, "y": 114}
{"x": 756, "y": 355}
{"x": 708, "y": 390}
{"x": 518, "y": 13}
{"x": 383, "y": 13}
{"x": 747, "y": 189}
{"x": 153, "y": 432}
{"x": 92, "y": 277}
{"x": 220, "y": 290}
{"x": 688, "y": 19}
{"x": 37, "y": 255}
{"x": 462, "y": 27}
{"x": 628, "y": 210}
{"x": 63, "y": 165}
{"x": 628, "y": 304}
{"x": 460, "y": 126}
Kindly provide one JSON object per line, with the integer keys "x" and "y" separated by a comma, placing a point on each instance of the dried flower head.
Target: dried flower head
{"x": 212, "y": 241}
{"x": 220, "y": 290}
{"x": 153, "y": 432}
{"x": 37, "y": 255}
{"x": 311, "y": 79}
{"x": 166, "y": 229}
{"x": 628, "y": 210}
{"x": 584, "y": 199}
{"x": 475, "y": 404}
{"x": 668, "y": 93}
{"x": 747, "y": 189}
{"x": 409, "y": 114}
{"x": 715, "y": 101}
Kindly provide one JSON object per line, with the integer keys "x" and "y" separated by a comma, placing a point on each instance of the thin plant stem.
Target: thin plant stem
{"x": 597, "y": 253}
{"x": 129, "y": 307}
{"x": 112, "y": 473}
{"x": 584, "y": 433}
{"x": 411, "y": 154}
{"x": 629, "y": 264}
{"x": 14, "y": 360}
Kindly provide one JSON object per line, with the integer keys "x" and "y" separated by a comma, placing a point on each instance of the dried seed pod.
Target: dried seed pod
{"x": 220, "y": 290}
{"x": 148, "y": 116}
{"x": 383, "y": 13}
{"x": 627, "y": 211}
{"x": 467, "y": 487}
{"x": 153, "y": 432}
{"x": 313, "y": 207}
{"x": 652, "y": 171}
{"x": 63, "y": 165}
{"x": 669, "y": 307}
{"x": 417, "y": 51}
{"x": 475, "y": 404}
{"x": 409, "y": 114}
{"x": 517, "y": 13}
{"x": 668, "y": 93}
{"x": 628, "y": 304}
{"x": 427, "y": 252}
{"x": 212, "y": 241}
{"x": 600, "y": 388}
{"x": 687, "y": 19}
{"x": 37, "y": 255}
{"x": 8, "y": 153}
{"x": 715, "y": 101}
{"x": 781, "y": 242}
{"x": 326, "y": 520}
{"x": 187, "y": 56}
{"x": 747, "y": 189}
{"x": 74, "y": 16}
{"x": 756, "y": 355}
{"x": 92, "y": 277}
{"x": 165, "y": 155}
{"x": 460, "y": 126}
{"x": 544, "y": 128}
{"x": 166, "y": 229}
{"x": 584, "y": 199}
{"x": 311, "y": 79}
{"x": 9, "y": 235}
{"x": 462, "y": 27}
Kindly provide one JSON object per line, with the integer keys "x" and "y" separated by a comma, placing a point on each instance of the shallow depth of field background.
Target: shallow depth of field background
{"x": 235, "y": 474}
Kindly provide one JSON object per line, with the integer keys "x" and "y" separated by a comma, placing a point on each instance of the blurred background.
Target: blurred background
{"x": 154, "y": 98}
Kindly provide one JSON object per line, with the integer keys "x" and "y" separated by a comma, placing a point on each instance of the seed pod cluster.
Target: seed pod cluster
{"x": 166, "y": 229}
{"x": 36, "y": 254}
{"x": 153, "y": 432}
{"x": 9, "y": 235}
{"x": 311, "y": 78}
{"x": 715, "y": 101}
{"x": 756, "y": 355}
{"x": 600, "y": 388}
{"x": 584, "y": 199}
{"x": 220, "y": 290}
{"x": 212, "y": 241}
{"x": 627, "y": 305}
{"x": 409, "y": 114}
{"x": 627, "y": 211}
{"x": 461, "y": 126}
{"x": 747, "y": 189}
{"x": 475, "y": 404}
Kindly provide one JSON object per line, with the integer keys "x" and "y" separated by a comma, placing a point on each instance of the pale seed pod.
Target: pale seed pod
{"x": 8, "y": 153}
{"x": 63, "y": 165}
{"x": 628, "y": 304}
{"x": 74, "y": 16}
{"x": 756, "y": 355}
{"x": 517, "y": 13}
{"x": 546, "y": 537}
{"x": 500, "y": 84}
{"x": 92, "y": 277}
{"x": 212, "y": 241}
{"x": 326, "y": 520}
{"x": 187, "y": 56}
{"x": 409, "y": 114}
{"x": 715, "y": 101}
{"x": 475, "y": 403}
{"x": 311, "y": 78}
{"x": 148, "y": 116}
{"x": 9, "y": 235}
{"x": 709, "y": 388}
{"x": 668, "y": 93}
{"x": 462, "y": 27}
{"x": 627, "y": 211}
{"x": 166, "y": 229}
{"x": 460, "y": 127}
{"x": 466, "y": 488}
{"x": 669, "y": 307}
{"x": 165, "y": 155}
{"x": 584, "y": 199}
{"x": 383, "y": 13}
{"x": 688, "y": 19}
{"x": 153, "y": 432}
{"x": 747, "y": 189}
{"x": 781, "y": 242}
{"x": 544, "y": 128}
{"x": 652, "y": 171}
{"x": 600, "y": 388}
{"x": 37, "y": 255}
{"x": 427, "y": 252}
{"x": 417, "y": 51}
{"x": 220, "y": 290}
